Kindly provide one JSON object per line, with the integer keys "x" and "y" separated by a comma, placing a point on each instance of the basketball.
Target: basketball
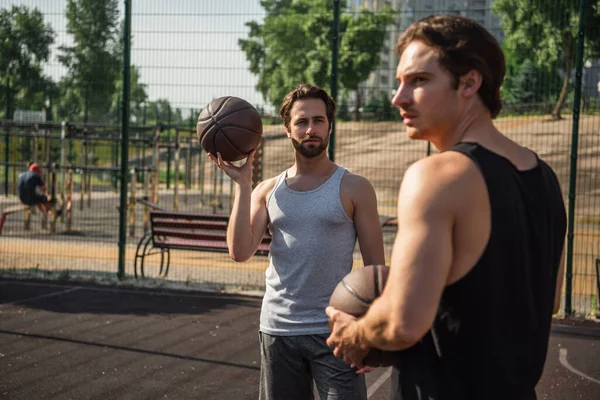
{"x": 231, "y": 126}
{"x": 354, "y": 295}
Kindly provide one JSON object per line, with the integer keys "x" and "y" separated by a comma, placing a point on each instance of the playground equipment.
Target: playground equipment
{"x": 85, "y": 159}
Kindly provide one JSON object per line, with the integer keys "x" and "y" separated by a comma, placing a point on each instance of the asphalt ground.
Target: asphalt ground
{"x": 72, "y": 340}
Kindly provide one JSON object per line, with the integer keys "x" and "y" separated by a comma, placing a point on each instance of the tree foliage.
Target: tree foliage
{"x": 294, "y": 45}
{"x": 137, "y": 95}
{"x": 92, "y": 61}
{"x": 137, "y": 90}
{"x": 546, "y": 31}
{"x": 25, "y": 45}
{"x": 528, "y": 83}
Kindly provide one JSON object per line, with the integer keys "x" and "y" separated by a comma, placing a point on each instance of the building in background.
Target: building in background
{"x": 381, "y": 81}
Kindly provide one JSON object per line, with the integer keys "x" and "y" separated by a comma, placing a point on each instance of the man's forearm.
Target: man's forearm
{"x": 239, "y": 232}
{"x": 377, "y": 329}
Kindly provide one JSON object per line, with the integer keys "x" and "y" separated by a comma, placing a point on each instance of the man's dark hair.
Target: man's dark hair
{"x": 462, "y": 45}
{"x": 306, "y": 91}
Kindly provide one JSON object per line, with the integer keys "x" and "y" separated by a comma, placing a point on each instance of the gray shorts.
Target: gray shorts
{"x": 289, "y": 364}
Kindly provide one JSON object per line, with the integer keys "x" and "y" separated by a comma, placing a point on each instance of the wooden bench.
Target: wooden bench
{"x": 11, "y": 210}
{"x": 184, "y": 231}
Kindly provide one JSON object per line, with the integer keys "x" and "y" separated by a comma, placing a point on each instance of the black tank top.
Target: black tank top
{"x": 490, "y": 335}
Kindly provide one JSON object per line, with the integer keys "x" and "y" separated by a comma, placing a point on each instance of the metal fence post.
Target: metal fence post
{"x": 334, "y": 71}
{"x": 124, "y": 139}
{"x": 573, "y": 166}
{"x": 7, "y": 137}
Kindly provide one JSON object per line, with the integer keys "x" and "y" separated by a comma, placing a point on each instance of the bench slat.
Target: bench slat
{"x": 190, "y": 217}
{"x": 173, "y": 223}
{"x": 168, "y": 233}
{"x": 212, "y": 235}
{"x": 186, "y": 244}
{"x": 189, "y": 243}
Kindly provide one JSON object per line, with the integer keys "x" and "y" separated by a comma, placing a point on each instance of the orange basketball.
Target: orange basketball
{"x": 231, "y": 126}
{"x": 354, "y": 295}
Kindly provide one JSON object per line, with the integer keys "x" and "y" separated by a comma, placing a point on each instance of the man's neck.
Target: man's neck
{"x": 314, "y": 166}
{"x": 476, "y": 125}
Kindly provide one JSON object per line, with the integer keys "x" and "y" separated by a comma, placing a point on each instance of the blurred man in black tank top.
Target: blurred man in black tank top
{"x": 477, "y": 264}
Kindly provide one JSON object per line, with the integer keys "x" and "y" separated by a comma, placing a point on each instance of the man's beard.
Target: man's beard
{"x": 311, "y": 150}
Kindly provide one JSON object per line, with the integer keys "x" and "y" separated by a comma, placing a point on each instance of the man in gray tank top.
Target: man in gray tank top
{"x": 315, "y": 211}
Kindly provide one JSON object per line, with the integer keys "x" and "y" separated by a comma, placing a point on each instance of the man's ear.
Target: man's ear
{"x": 287, "y": 131}
{"x": 471, "y": 82}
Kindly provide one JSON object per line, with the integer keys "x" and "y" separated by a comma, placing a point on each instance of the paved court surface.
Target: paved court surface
{"x": 61, "y": 340}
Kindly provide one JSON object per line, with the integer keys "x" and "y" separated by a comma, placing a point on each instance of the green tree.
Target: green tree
{"x": 25, "y": 45}
{"x": 547, "y": 30}
{"x": 137, "y": 96}
{"x": 360, "y": 46}
{"x": 92, "y": 62}
{"x": 527, "y": 85}
{"x": 293, "y": 45}
{"x": 69, "y": 107}
{"x": 161, "y": 112}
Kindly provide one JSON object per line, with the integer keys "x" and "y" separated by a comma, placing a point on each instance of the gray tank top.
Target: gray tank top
{"x": 311, "y": 251}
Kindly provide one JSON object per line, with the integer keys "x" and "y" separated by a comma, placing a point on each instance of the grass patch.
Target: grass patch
{"x": 162, "y": 176}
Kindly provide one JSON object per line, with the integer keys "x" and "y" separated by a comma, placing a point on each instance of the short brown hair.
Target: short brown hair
{"x": 306, "y": 91}
{"x": 462, "y": 45}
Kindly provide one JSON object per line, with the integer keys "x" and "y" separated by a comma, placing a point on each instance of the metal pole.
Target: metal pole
{"x": 63, "y": 135}
{"x": 124, "y": 140}
{"x": 169, "y": 149}
{"x": 573, "y": 167}
{"x": 334, "y": 71}
{"x": 7, "y": 137}
{"x": 176, "y": 172}
{"x": 7, "y": 87}
{"x": 169, "y": 157}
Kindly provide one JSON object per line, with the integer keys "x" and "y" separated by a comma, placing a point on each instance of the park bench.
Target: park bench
{"x": 184, "y": 231}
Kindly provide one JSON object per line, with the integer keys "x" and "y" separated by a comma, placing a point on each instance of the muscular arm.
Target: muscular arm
{"x": 421, "y": 261}
{"x": 248, "y": 221}
{"x": 366, "y": 221}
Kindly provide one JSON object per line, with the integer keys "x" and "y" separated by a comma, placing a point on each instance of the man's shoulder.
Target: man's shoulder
{"x": 269, "y": 182}
{"x": 446, "y": 175}
{"x": 353, "y": 181}
{"x": 445, "y": 166}
{"x": 28, "y": 176}
{"x": 265, "y": 187}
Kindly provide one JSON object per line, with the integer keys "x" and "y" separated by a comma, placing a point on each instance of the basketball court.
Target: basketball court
{"x": 74, "y": 340}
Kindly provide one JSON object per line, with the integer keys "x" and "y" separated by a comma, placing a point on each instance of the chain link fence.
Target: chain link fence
{"x": 62, "y": 106}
